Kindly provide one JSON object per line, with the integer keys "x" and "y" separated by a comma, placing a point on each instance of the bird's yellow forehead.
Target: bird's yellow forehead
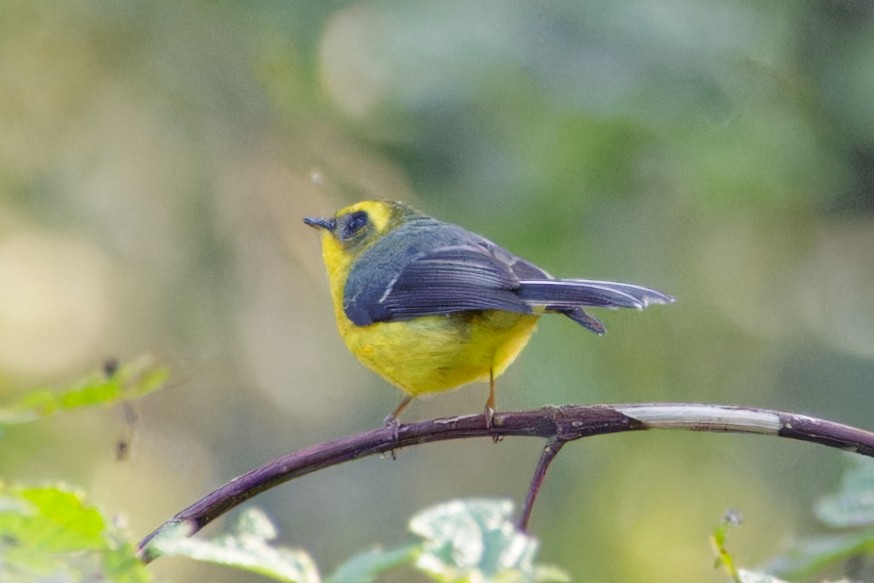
{"x": 379, "y": 213}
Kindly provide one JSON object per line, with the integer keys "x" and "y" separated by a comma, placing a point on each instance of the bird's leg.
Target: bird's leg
{"x": 490, "y": 403}
{"x": 392, "y": 419}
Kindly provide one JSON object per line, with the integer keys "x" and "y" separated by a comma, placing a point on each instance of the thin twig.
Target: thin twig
{"x": 557, "y": 424}
{"x": 551, "y": 450}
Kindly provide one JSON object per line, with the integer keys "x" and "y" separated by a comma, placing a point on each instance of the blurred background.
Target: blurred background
{"x": 156, "y": 160}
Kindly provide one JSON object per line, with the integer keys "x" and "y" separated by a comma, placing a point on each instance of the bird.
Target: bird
{"x": 430, "y": 306}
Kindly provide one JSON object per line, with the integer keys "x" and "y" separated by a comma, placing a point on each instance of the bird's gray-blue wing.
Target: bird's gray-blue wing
{"x": 452, "y": 278}
{"x": 452, "y": 270}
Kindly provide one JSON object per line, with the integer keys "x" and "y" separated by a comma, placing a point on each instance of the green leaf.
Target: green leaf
{"x": 248, "y": 548}
{"x": 47, "y": 520}
{"x": 853, "y": 504}
{"x": 808, "y": 557}
{"x": 49, "y": 532}
{"x": 130, "y": 381}
{"x": 364, "y": 567}
{"x": 475, "y": 540}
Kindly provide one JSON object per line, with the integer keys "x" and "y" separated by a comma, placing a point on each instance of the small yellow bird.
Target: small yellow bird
{"x": 430, "y": 306}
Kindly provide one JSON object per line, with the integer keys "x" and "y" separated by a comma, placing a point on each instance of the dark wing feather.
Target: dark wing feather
{"x": 447, "y": 279}
{"x": 581, "y": 317}
{"x": 454, "y": 279}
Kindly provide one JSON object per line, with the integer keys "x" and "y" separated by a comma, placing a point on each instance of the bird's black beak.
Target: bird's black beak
{"x": 320, "y": 223}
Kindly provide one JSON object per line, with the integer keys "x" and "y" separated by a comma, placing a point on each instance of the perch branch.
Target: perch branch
{"x": 557, "y": 424}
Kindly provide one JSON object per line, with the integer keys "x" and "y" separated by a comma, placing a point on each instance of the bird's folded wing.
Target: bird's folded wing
{"x": 441, "y": 281}
{"x": 481, "y": 276}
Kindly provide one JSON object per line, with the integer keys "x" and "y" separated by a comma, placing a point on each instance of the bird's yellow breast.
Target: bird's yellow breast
{"x": 430, "y": 354}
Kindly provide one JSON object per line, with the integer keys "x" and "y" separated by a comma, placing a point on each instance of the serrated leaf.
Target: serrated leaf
{"x": 476, "y": 541}
{"x": 255, "y": 524}
{"x": 247, "y": 548}
{"x": 50, "y": 520}
{"x": 130, "y": 381}
{"x": 853, "y": 504}
{"x": 365, "y": 567}
{"x": 49, "y": 532}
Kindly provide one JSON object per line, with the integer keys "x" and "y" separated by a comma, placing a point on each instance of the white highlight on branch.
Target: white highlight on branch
{"x": 710, "y": 417}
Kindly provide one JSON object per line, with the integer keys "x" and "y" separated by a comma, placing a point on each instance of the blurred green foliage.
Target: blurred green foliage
{"x": 156, "y": 159}
{"x": 846, "y": 548}
{"x": 108, "y": 387}
{"x": 462, "y": 541}
{"x": 50, "y": 534}
{"x": 247, "y": 548}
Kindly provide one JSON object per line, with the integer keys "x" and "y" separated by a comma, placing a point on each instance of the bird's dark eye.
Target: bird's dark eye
{"x": 354, "y": 223}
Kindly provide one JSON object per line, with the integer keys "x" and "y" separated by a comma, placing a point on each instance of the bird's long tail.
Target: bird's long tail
{"x": 570, "y": 296}
{"x": 582, "y": 292}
